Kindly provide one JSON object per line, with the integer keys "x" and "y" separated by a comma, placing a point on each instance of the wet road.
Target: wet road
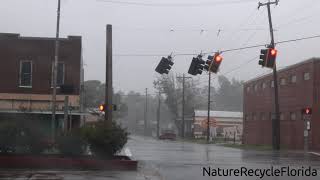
{"x": 185, "y": 161}
{"x": 171, "y": 160}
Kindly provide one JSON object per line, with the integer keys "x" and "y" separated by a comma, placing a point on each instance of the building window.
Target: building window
{"x": 281, "y": 116}
{"x": 256, "y": 87}
{"x": 254, "y": 117}
{"x": 264, "y": 85}
{"x": 293, "y": 79}
{"x": 306, "y": 76}
{"x": 293, "y": 116}
{"x": 247, "y": 117}
{"x": 272, "y": 84}
{"x": 262, "y": 116}
{"x": 248, "y": 89}
{"x": 283, "y": 81}
{"x": 60, "y": 74}
{"x": 25, "y": 79}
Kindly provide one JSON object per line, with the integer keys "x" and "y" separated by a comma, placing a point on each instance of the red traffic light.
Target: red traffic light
{"x": 307, "y": 111}
{"x": 218, "y": 58}
{"x": 273, "y": 52}
{"x": 101, "y": 107}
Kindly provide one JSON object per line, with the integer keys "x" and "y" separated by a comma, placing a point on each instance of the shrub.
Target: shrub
{"x": 105, "y": 140}
{"x": 20, "y": 137}
{"x": 71, "y": 143}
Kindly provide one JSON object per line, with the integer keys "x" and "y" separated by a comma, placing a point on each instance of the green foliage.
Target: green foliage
{"x": 20, "y": 137}
{"x": 71, "y": 143}
{"x": 104, "y": 139}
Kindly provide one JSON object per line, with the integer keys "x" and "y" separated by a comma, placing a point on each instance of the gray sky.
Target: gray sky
{"x": 141, "y": 29}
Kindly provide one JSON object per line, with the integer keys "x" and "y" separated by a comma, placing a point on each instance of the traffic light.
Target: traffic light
{"x": 272, "y": 54}
{"x": 215, "y": 62}
{"x": 306, "y": 111}
{"x": 165, "y": 65}
{"x": 102, "y": 107}
{"x": 263, "y": 57}
{"x": 268, "y": 57}
{"x": 196, "y": 66}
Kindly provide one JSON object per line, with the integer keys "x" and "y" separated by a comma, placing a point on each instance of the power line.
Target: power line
{"x": 200, "y": 4}
{"x": 223, "y": 51}
{"x": 298, "y": 39}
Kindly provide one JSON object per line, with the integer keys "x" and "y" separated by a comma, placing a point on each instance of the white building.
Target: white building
{"x": 222, "y": 123}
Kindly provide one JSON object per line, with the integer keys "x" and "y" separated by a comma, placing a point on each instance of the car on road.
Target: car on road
{"x": 168, "y": 134}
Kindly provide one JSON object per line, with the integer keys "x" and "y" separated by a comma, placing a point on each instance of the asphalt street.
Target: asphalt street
{"x": 174, "y": 160}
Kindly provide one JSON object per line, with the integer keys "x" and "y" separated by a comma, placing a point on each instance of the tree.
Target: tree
{"x": 229, "y": 95}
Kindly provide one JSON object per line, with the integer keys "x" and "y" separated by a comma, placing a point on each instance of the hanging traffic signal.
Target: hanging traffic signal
{"x": 306, "y": 111}
{"x": 215, "y": 62}
{"x": 268, "y": 57}
{"x": 165, "y": 65}
{"x": 208, "y": 63}
{"x": 263, "y": 57}
{"x": 101, "y": 107}
{"x": 272, "y": 54}
{"x": 196, "y": 66}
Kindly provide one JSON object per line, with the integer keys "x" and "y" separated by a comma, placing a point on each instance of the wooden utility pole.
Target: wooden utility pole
{"x": 158, "y": 115}
{"x": 209, "y": 101}
{"x": 276, "y": 118}
{"x": 108, "y": 91}
{"x": 55, "y": 72}
{"x": 183, "y": 104}
{"x": 66, "y": 112}
{"x": 146, "y": 113}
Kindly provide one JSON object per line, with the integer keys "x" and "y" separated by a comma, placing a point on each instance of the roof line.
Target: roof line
{"x": 283, "y": 69}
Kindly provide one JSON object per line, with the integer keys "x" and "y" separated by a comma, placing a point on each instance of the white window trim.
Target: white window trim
{"x": 295, "y": 116}
{"x": 20, "y": 73}
{"x": 283, "y": 81}
{"x": 291, "y": 79}
{"x": 304, "y": 77}
{"x": 63, "y": 71}
{"x": 272, "y": 84}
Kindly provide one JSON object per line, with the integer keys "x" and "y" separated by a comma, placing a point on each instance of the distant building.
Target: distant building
{"x": 26, "y": 73}
{"x": 299, "y": 87}
{"x": 222, "y": 123}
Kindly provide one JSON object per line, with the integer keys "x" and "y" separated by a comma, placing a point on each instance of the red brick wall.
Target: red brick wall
{"x": 41, "y": 52}
{"x": 315, "y": 123}
{"x": 292, "y": 98}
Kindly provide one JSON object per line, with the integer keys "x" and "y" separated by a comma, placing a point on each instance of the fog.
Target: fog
{"x": 161, "y": 29}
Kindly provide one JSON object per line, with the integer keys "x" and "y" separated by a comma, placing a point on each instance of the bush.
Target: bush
{"x": 71, "y": 143}
{"x": 105, "y": 140}
{"x": 20, "y": 137}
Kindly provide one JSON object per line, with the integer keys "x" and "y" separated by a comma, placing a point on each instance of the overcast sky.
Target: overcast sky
{"x": 162, "y": 27}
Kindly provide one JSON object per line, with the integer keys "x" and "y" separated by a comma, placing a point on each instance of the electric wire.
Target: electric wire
{"x": 224, "y": 50}
{"x": 200, "y": 4}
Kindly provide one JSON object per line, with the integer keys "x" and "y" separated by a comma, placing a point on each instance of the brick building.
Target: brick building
{"x": 26, "y": 73}
{"x": 299, "y": 87}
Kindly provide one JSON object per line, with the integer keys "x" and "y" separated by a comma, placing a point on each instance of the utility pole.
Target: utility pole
{"x": 66, "y": 111}
{"x": 183, "y": 104}
{"x": 209, "y": 100}
{"x": 109, "y": 89}
{"x": 158, "y": 115}
{"x": 146, "y": 113}
{"x": 276, "y": 118}
{"x": 55, "y": 72}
